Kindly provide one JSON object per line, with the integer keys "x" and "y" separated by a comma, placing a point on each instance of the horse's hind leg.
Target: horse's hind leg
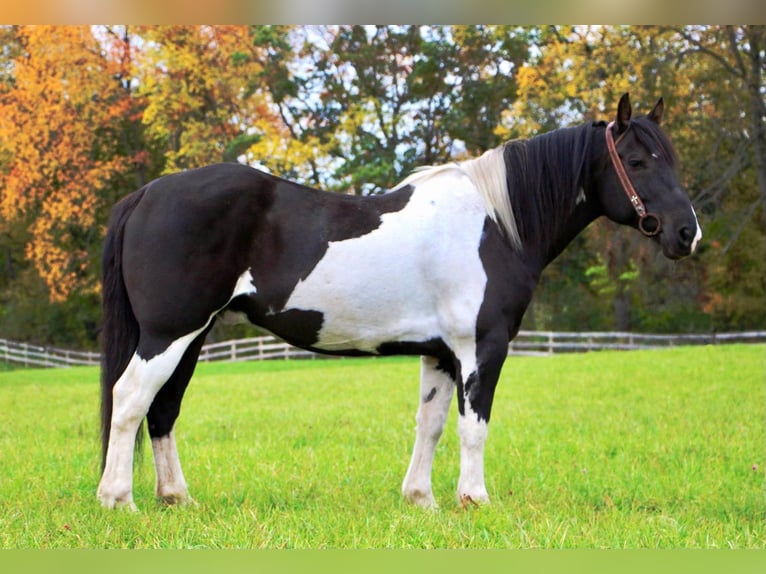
{"x": 132, "y": 396}
{"x": 436, "y": 390}
{"x": 171, "y": 486}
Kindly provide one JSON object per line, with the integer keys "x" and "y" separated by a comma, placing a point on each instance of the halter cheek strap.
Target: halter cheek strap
{"x": 627, "y": 186}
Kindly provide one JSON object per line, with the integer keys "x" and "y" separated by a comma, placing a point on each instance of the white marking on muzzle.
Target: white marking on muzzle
{"x": 698, "y": 235}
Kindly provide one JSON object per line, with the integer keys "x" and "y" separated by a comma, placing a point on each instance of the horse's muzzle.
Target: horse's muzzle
{"x": 681, "y": 243}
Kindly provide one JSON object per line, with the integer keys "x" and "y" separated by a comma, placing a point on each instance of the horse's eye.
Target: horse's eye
{"x": 635, "y": 162}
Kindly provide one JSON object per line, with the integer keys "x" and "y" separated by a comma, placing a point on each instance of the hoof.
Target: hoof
{"x": 117, "y": 504}
{"x": 176, "y": 499}
{"x": 473, "y": 501}
{"x": 423, "y": 499}
{"x": 115, "y": 498}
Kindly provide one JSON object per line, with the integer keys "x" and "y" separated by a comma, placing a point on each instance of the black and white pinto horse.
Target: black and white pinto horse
{"x": 443, "y": 266}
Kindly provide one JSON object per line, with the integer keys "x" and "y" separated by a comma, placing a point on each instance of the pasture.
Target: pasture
{"x": 650, "y": 449}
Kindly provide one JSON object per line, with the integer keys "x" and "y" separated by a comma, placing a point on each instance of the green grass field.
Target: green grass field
{"x": 656, "y": 449}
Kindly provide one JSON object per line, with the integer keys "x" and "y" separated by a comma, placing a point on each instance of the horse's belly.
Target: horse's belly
{"x": 369, "y": 331}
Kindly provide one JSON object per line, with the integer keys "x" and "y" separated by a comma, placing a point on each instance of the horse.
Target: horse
{"x": 443, "y": 266}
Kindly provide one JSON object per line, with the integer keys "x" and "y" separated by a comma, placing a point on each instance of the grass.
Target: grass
{"x": 656, "y": 449}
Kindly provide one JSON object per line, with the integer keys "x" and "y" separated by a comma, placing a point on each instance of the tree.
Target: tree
{"x": 200, "y": 107}
{"x": 366, "y": 104}
{"x": 728, "y": 135}
{"x": 57, "y": 119}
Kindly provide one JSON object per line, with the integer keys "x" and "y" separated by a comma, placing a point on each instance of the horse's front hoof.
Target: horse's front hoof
{"x": 117, "y": 504}
{"x": 473, "y": 500}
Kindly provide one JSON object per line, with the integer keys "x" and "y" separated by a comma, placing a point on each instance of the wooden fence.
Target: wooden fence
{"x": 268, "y": 347}
{"x": 35, "y": 356}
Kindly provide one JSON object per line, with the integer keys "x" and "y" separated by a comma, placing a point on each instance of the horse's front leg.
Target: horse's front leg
{"x": 476, "y": 390}
{"x": 436, "y": 389}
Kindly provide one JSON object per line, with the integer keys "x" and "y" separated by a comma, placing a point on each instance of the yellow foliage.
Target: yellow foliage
{"x": 195, "y": 82}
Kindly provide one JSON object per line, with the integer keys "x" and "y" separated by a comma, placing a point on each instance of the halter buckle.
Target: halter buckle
{"x": 642, "y": 224}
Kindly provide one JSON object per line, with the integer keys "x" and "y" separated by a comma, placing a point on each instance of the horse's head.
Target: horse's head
{"x": 637, "y": 185}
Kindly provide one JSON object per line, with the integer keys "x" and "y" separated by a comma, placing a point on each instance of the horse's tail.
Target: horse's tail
{"x": 120, "y": 328}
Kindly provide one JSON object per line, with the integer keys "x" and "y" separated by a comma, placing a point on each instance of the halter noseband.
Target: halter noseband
{"x": 627, "y": 186}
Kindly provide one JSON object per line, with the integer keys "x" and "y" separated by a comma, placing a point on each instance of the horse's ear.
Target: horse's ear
{"x": 623, "y": 113}
{"x": 656, "y": 114}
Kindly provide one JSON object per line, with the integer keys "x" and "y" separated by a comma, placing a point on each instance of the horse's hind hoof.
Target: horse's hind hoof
{"x": 177, "y": 500}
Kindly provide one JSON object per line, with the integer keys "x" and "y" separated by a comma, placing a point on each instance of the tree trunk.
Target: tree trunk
{"x": 756, "y": 36}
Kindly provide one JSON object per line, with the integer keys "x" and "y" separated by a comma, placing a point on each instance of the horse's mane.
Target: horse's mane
{"x": 544, "y": 176}
{"x": 529, "y": 186}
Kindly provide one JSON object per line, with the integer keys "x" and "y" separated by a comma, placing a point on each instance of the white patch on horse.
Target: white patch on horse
{"x": 488, "y": 174}
{"x": 418, "y": 276}
{"x": 244, "y": 285}
{"x": 698, "y": 234}
{"x": 581, "y": 197}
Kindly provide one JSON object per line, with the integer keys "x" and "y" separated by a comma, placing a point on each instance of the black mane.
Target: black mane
{"x": 544, "y": 175}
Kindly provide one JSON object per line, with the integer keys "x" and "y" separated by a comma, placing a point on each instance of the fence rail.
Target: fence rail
{"x": 549, "y": 342}
{"x": 269, "y": 348}
{"x": 36, "y": 356}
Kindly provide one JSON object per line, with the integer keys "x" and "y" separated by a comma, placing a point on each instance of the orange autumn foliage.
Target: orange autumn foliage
{"x": 57, "y": 123}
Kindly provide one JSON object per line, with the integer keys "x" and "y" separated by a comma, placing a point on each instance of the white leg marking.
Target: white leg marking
{"x": 698, "y": 235}
{"x": 171, "y": 486}
{"x": 436, "y": 390}
{"x": 132, "y": 396}
{"x": 473, "y": 436}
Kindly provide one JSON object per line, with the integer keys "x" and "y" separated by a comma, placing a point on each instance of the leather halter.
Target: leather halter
{"x": 627, "y": 186}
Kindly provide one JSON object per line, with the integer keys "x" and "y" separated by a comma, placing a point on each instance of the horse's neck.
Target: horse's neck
{"x": 583, "y": 214}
